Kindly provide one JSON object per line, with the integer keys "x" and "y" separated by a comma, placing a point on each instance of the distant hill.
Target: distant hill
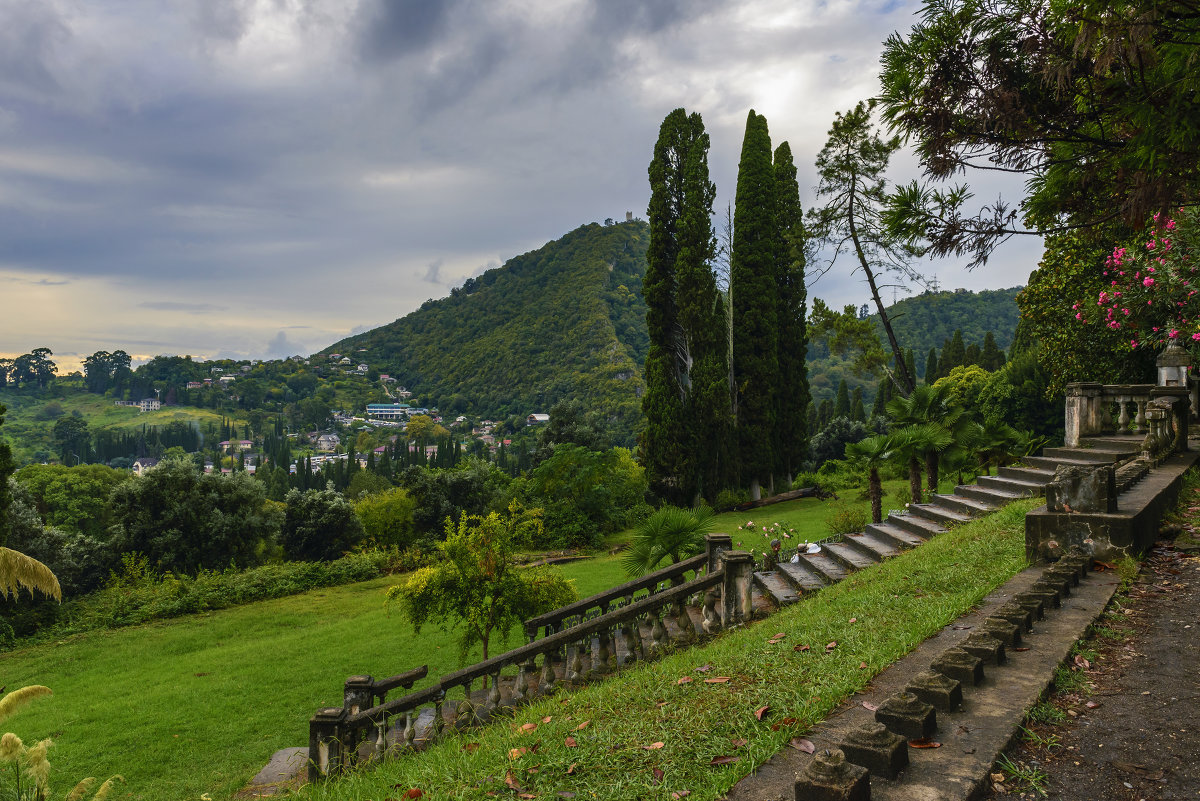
{"x": 564, "y": 321}
{"x": 923, "y": 322}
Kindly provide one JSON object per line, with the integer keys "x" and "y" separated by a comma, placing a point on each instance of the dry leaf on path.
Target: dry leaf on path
{"x": 717, "y": 680}
{"x": 802, "y": 744}
{"x": 723, "y": 760}
{"x": 924, "y": 742}
{"x": 867, "y": 705}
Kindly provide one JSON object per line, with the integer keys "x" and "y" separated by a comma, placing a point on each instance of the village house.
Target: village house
{"x": 149, "y": 404}
{"x": 537, "y": 419}
{"x": 144, "y": 463}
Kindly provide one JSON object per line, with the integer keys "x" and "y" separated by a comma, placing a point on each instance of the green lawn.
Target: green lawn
{"x": 198, "y": 704}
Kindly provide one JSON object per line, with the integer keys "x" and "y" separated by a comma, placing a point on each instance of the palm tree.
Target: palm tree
{"x": 934, "y": 405}
{"x": 873, "y": 453}
{"x": 914, "y": 441}
{"x": 670, "y": 532}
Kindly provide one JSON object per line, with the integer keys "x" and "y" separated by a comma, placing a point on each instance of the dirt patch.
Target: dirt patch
{"x": 1122, "y": 723}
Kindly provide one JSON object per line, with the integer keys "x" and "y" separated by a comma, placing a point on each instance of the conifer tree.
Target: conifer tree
{"x": 991, "y": 357}
{"x": 792, "y": 391}
{"x": 858, "y": 411}
{"x": 755, "y": 306}
{"x": 882, "y": 396}
{"x": 972, "y": 355}
{"x": 841, "y": 407}
{"x": 954, "y": 352}
{"x": 686, "y": 404}
{"x": 931, "y": 366}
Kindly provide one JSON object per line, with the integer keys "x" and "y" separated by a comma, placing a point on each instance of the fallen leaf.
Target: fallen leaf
{"x": 583, "y": 725}
{"x": 571, "y": 742}
{"x": 517, "y": 753}
{"x": 717, "y": 680}
{"x": 658, "y": 776}
{"x": 414, "y": 793}
{"x": 788, "y": 721}
{"x": 779, "y": 636}
{"x": 529, "y": 727}
{"x": 853, "y": 620}
{"x": 831, "y": 645}
{"x": 1104, "y": 566}
{"x": 704, "y": 668}
{"x": 681, "y": 794}
{"x": 571, "y": 770}
{"x": 801, "y": 648}
{"x": 654, "y": 746}
{"x": 526, "y": 795}
{"x": 1092, "y": 704}
{"x": 470, "y": 748}
{"x": 547, "y": 719}
{"x": 511, "y": 781}
{"x": 723, "y": 760}
{"x": 1080, "y": 662}
{"x": 762, "y": 710}
{"x": 1021, "y": 649}
{"x": 924, "y": 742}
{"x": 867, "y": 705}
{"x": 862, "y": 665}
{"x": 802, "y": 744}
{"x": 737, "y": 742}
{"x": 685, "y": 680}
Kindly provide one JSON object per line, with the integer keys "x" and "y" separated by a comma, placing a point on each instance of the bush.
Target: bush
{"x": 730, "y": 498}
{"x": 846, "y": 520}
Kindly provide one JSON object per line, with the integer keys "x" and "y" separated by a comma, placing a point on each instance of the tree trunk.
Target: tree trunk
{"x": 931, "y": 471}
{"x": 755, "y": 490}
{"x": 875, "y": 490}
{"x": 906, "y": 381}
{"x": 914, "y": 479}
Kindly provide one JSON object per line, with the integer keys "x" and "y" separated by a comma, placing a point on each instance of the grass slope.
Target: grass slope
{"x": 645, "y": 720}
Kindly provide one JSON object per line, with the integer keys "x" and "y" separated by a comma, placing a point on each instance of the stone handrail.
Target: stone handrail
{"x": 641, "y": 629}
{"x": 1094, "y": 409}
{"x": 554, "y": 621}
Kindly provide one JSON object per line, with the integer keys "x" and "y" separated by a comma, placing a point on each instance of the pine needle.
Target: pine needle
{"x": 19, "y": 571}
{"x": 17, "y": 699}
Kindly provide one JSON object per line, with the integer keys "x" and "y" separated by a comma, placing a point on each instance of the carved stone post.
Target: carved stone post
{"x": 658, "y": 633}
{"x": 575, "y": 669}
{"x": 1180, "y": 413}
{"x": 712, "y": 620}
{"x": 736, "y": 606}
{"x": 325, "y": 755}
{"x": 359, "y": 694}
{"x": 629, "y": 641}
{"x": 716, "y": 544}
{"x": 547, "y": 682}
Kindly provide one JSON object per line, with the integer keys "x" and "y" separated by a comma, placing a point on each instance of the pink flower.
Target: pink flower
{"x": 1133, "y": 343}
{"x": 1173, "y": 333}
{"x": 1196, "y": 337}
{"x": 1078, "y": 316}
{"x": 1147, "y": 282}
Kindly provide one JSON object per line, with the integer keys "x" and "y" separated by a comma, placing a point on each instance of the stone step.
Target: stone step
{"x": 1127, "y": 445}
{"x": 871, "y": 546}
{"x": 968, "y": 506}
{"x": 1019, "y": 487}
{"x": 923, "y": 527}
{"x": 847, "y": 556}
{"x": 898, "y": 537}
{"x": 800, "y": 577}
{"x": 995, "y": 497}
{"x": 824, "y": 567}
{"x": 1047, "y": 463}
{"x": 776, "y": 588}
{"x": 1032, "y": 475}
{"x": 938, "y": 514}
{"x": 1086, "y": 455}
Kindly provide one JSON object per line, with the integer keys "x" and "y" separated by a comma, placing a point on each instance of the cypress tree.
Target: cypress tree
{"x": 841, "y": 408}
{"x": 792, "y": 392}
{"x": 685, "y": 443}
{"x": 972, "y": 355}
{"x": 879, "y": 407}
{"x": 954, "y": 352}
{"x": 857, "y": 410}
{"x": 753, "y": 261}
{"x": 824, "y": 413}
{"x": 931, "y": 366}
{"x": 991, "y": 357}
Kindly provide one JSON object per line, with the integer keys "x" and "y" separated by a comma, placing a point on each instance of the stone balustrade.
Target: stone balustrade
{"x": 577, "y": 648}
{"x": 1097, "y": 409}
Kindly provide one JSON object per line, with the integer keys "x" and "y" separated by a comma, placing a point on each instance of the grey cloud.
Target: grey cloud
{"x": 170, "y": 305}
{"x": 280, "y": 346}
{"x": 390, "y": 29}
{"x": 31, "y": 36}
{"x": 433, "y": 272}
{"x": 223, "y": 20}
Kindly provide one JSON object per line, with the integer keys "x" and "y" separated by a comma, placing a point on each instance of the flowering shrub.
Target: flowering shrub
{"x": 1151, "y": 286}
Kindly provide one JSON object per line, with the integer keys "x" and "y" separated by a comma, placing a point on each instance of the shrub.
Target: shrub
{"x": 730, "y": 498}
{"x": 846, "y": 520}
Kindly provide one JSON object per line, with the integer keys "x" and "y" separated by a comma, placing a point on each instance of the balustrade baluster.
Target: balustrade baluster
{"x": 493, "y": 696}
{"x": 439, "y": 722}
{"x": 575, "y": 674}
{"x": 658, "y": 633}
{"x": 410, "y": 729}
{"x": 547, "y": 682}
{"x": 1140, "y": 420}
{"x": 381, "y": 727}
{"x": 520, "y": 693}
{"x": 630, "y": 641}
{"x": 683, "y": 619}
{"x": 1123, "y": 417}
{"x": 712, "y": 620}
{"x": 604, "y": 651}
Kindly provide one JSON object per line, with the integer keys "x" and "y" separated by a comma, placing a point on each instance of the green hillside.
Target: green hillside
{"x": 929, "y": 319}
{"x": 564, "y": 321}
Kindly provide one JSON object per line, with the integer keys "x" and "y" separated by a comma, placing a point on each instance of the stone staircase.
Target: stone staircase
{"x": 899, "y": 531}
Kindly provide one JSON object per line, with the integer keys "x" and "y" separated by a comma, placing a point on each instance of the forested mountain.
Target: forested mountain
{"x": 564, "y": 321}
{"x": 929, "y": 319}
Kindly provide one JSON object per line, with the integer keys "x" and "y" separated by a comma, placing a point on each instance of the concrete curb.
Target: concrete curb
{"x": 971, "y": 738}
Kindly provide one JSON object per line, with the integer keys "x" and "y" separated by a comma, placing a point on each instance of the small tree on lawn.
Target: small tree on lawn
{"x": 476, "y": 587}
{"x": 873, "y": 453}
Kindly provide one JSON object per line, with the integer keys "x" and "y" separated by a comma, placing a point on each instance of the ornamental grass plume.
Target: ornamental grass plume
{"x": 37, "y": 765}
{"x": 17, "y": 699}
{"x": 11, "y": 748}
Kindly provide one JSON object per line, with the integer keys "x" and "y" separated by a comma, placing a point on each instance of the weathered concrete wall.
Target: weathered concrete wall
{"x": 1130, "y": 530}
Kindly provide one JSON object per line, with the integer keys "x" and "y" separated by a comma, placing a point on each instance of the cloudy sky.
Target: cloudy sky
{"x": 262, "y": 177}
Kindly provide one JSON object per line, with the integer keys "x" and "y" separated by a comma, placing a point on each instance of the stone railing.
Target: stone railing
{"x": 1098, "y": 409}
{"x": 580, "y": 651}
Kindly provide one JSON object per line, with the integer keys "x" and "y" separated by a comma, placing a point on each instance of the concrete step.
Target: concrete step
{"x": 847, "y": 556}
{"x": 898, "y": 537}
{"x": 1019, "y": 487}
{"x": 1127, "y": 445}
{"x": 1048, "y": 463}
{"x": 824, "y": 567}
{"x": 871, "y": 546}
{"x": 776, "y": 588}
{"x": 1086, "y": 455}
{"x": 968, "y": 506}
{"x": 1033, "y": 475}
{"x": 995, "y": 497}
{"x": 800, "y": 577}
{"x": 938, "y": 514}
{"x": 923, "y": 527}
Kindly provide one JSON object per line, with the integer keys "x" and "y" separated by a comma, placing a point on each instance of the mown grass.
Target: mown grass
{"x": 199, "y": 704}
{"x": 645, "y": 720}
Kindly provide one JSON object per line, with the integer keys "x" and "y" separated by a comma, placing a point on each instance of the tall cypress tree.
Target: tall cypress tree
{"x": 858, "y": 410}
{"x": 931, "y": 366}
{"x": 755, "y": 306}
{"x": 686, "y": 403}
{"x": 954, "y": 353}
{"x": 841, "y": 407}
{"x": 991, "y": 357}
{"x": 792, "y": 391}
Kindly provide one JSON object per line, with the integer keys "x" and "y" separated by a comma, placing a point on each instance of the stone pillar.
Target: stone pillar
{"x": 359, "y": 694}
{"x": 325, "y": 756}
{"x": 829, "y": 777}
{"x": 1082, "y": 411}
{"x": 716, "y": 544}
{"x": 1181, "y": 412}
{"x": 735, "y": 594}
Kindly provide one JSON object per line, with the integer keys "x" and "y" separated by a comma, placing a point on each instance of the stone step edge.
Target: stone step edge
{"x": 1027, "y": 675}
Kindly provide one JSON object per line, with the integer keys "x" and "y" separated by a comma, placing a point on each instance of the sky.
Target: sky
{"x": 260, "y": 178}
